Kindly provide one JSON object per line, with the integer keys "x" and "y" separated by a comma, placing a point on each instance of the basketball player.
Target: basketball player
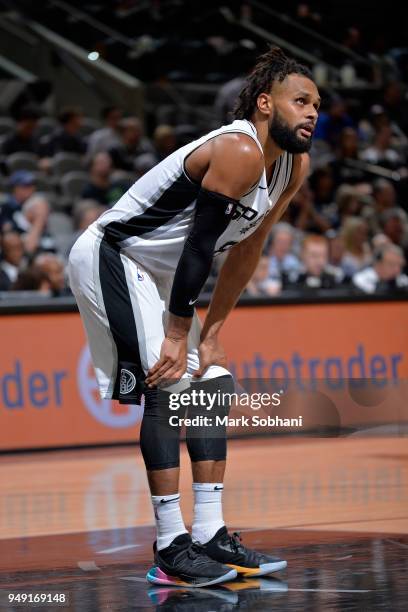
{"x": 137, "y": 272}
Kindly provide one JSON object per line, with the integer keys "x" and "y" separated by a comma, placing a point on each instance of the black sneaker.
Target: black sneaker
{"x": 229, "y": 550}
{"x": 184, "y": 563}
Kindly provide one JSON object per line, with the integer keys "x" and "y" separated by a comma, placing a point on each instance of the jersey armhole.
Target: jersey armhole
{"x": 208, "y": 140}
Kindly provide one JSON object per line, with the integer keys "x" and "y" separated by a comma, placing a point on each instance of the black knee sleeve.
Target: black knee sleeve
{"x": 159, "y": 441}
{"x": 212, "y": 399}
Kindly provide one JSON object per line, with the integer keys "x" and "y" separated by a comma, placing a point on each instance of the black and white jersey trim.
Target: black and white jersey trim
{"x": 174, "y": 200}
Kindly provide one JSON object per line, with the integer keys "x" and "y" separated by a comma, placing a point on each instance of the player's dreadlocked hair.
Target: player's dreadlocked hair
{"x": 273, "y": 65}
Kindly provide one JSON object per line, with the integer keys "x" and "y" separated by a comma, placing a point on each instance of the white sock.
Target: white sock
{"x": 207, "y": 510}
{"x": 169, "y": 522}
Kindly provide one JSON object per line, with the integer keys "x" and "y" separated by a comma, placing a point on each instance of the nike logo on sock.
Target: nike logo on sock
{"x": 218, "y": 488}
{"x": 168, "y": 501}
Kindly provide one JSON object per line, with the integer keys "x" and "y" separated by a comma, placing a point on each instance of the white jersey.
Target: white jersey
{"x": 152, "y": 220}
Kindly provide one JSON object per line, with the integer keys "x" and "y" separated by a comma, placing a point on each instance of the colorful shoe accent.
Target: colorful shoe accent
{"x": 184, "y": 563}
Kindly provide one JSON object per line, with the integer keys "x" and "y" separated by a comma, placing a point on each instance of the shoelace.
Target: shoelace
{"x": 194, "y": 550}
{"x": 235, "y": 540}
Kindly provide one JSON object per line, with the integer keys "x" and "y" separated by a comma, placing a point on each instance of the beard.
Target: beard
{"x": 286, "y": 137}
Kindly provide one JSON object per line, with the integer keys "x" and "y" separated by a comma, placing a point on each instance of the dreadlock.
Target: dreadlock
{"x": 272, "y": 66}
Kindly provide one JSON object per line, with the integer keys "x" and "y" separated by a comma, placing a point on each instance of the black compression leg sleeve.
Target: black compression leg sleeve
{"x": 209, "y": 442}
{"x": 159, "y": 441}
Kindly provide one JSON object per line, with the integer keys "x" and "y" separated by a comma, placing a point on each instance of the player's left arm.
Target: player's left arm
{"x": 239, "y": 268}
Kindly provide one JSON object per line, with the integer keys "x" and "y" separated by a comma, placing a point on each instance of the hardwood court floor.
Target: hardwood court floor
{"x": 80, "y": 522}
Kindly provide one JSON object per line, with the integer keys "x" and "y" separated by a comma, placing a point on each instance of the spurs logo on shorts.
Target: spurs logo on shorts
{"x": 127, "y": 381}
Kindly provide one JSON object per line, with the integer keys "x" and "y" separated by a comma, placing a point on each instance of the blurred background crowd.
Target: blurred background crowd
{"x": 62, "y": 165}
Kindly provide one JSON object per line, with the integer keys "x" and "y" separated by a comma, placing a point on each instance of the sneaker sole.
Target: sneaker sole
{"x": 262, "y": 570}
{"x": 156, "y": 576}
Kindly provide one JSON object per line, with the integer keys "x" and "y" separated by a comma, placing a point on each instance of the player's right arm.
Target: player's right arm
{"x": 227, "y": 167}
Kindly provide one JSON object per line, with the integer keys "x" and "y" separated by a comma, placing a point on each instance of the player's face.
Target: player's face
{"x": 295, "y": 105}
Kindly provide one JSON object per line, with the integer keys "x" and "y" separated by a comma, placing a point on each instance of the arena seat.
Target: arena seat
{"x": 66, "y": 162}
{"x": 73, "y": 183}
{"x": 7, "y": 125}
{"x": 21, "y": 161}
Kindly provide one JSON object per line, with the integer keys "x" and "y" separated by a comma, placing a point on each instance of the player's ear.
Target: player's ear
{"x": 264, "y": 103}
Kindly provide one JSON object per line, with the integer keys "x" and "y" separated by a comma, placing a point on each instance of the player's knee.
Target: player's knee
{"x": 207, "y": 439}
{"x": 212, "y": 397}
{"x": 207, "y": 449}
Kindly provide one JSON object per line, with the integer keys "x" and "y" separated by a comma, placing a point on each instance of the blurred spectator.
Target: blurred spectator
{"x": 357, "y": 252}
{"x": 349, "y": 203}
{"x": 384, "y": 197}
{"x": 164, "y": 143}
{"x": 226, "y": 99}
{"x": 26, "y": 212}
{"x": 379, "y": 241}
{"x": 53, "y": 267}
{"x": 394, "y": 226}
{"x": 101, "y": 187}
{"x": 376, "y": 119}
{"x": 331, "y": 123}
{"x": 323, "y": 187}
{"x": 132, "y": 144}
{"x": 144, "y": 163}
{"x": 379, "y": 117}
{"x": 32, "y": 279}
{"x": 382, "y": 152}
{"x": 22, "y": 185}
{"x": 385, "y": 275}
{"x": 23, "y": 139}
{"x": 36, "y": 211}
{"x": 336, "y": 248}
{"x": 281, "y": 258}
{"x": 315, "y": 272}
{"x": 345, "y": 167}
{"x": 306, "y": 17}
{"x": 352, "y": 40}
{"x": 84, "y": 213}
{"x": 302, "y": 213}
{"x": 261, "y": 284}
{"x": 393, "y": 223}
{"x": 108, "y": 136}
{"x": 67, "y": 137}
{"x": 395, "y": 104}
{"x": 12, "y": 258}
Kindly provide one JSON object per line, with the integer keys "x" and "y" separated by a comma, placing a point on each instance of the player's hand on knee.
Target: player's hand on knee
{"x": 210, "y": 352}
{"x": 172, "y": 363}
